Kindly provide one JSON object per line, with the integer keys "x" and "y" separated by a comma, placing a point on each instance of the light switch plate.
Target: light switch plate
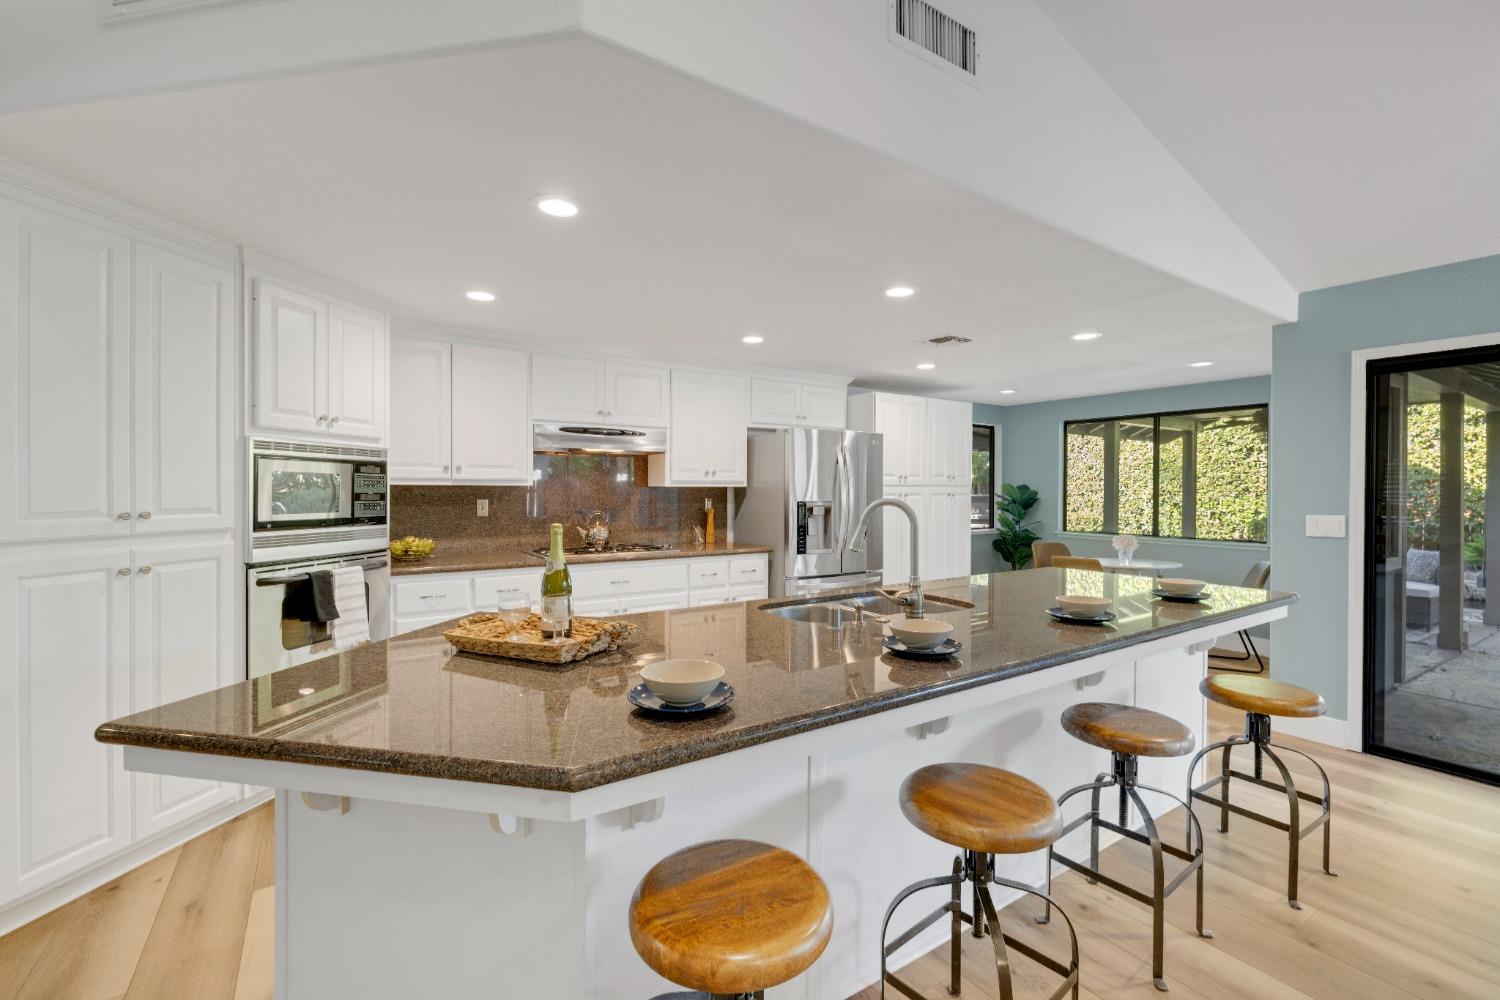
{"x": 1326, "y": 526}
{"x": 483, "y": 507}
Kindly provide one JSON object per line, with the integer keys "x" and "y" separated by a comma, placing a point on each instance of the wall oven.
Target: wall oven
{"x": 276, "y": 637}
{"x": 314, "y": 500}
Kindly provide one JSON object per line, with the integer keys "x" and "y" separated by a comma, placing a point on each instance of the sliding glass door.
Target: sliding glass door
{"x": 1432, "y": 638}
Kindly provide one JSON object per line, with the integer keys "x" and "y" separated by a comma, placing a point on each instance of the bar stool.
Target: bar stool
{"x": 983, "y": 811}
{"x": 1260, "y": 698}
{"x": 730, "y": 918}
{"x": 1130, "y": 733}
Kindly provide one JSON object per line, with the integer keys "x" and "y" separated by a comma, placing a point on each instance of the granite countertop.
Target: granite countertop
{"x": 424, "y": 709}
{"x": 477, "y": 559}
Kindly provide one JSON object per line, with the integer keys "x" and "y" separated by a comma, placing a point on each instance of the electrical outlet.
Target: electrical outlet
{"x": 484, "y": 508}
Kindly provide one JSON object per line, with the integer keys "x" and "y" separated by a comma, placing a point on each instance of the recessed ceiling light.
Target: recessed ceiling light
{"x": 560, "y": 208}
{"x": 900, "y": 292}
{"x": 1199, "y": 364}
{"x": 1087, "y": 335}
{"x": 481, "y": 296}
{"x": 752, "y": 338}
{"x": 927, "y": 366}
{"x": 1007, "y": 392}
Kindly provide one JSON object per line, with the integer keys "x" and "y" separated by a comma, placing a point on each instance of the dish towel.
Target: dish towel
{"x": 352, "y": 626}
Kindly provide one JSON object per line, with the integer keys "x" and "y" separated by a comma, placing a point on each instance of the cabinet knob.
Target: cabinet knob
{"x": 145, "y": 570}
{"x": 124, "y": 515}
{"x": 458, "y": 468}
{"x": 321, "y": 419}
{"x": 123, "y": 572}
{"x": 144, "y": 515}
{"x": 445, "y": 468}
{"x": 332, "y": 421}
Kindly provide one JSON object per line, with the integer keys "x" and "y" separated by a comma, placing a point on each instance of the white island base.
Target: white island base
{"x": 393, "y": 887}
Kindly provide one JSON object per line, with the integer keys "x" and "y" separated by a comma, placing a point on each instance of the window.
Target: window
{"x": 1198, "y": 474}
{"x": 982, "y": 478}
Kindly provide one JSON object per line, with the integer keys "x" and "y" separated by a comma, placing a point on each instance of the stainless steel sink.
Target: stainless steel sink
{"x": 837, "y": 611}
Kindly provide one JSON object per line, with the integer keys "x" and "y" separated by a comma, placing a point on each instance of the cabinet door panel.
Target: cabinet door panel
{"x": 691, "y": 454}
{"x": 825, "y": 406}
{"x": 567, "y": 388}
{"x": 637, "y": 395}
{"x": 775, "y": 402}
{"x": 65, "y": 629}
{"x": 182, "y": 644}
{"x": 184, "y": 392}
{"x": 491, "y": 431}
{"x": 421, "y": 412}
{"x": 291, "y": 352}
{"x": 356, "y": 374}
{"x": 730, "y": 427}
{"x": 64, "y": 377}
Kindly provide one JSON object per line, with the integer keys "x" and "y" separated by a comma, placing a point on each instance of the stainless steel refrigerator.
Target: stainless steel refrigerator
{"x": 805, "y": 492}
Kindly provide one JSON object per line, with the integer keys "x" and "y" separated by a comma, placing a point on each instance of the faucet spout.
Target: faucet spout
{"x": 912, "y": 597}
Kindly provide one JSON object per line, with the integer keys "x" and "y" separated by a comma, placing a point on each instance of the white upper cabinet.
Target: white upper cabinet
{"x": 291, "y": 352}
{"x": 459, "y": 413}
{"x": 708, "y": 432}
{"x": 320, "y": 365}
{"x": 948, "y": 441}
{"x": 64, "y": 377}
{"x": 491, "y": 433}
{"x": 421, "y": 411}
{"x": 183, "y": 384}
{"x": 356, "y": 374}
{"x": 902, "y": 423}
{"x": 788, "y": 403}
{"x": 598, "y": 392}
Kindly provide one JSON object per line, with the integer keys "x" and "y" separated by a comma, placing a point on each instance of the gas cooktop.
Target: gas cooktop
{"x": 583, "y": 550}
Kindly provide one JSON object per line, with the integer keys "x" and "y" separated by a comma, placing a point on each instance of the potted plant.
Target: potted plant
{"x": 1013, "y": 534}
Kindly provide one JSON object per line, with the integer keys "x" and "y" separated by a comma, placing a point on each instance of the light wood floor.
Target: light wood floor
{"x": 1412, "y": 914}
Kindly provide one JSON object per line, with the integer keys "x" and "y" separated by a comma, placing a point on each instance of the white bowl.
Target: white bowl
{"x": 920, "y": 633}
{"x": 1180, "y": 587}
{"x": 1083, "y": 605}
{"x": 682, "y": 682}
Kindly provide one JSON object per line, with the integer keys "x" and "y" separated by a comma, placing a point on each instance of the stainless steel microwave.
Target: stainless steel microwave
{"x": 308, "y": 493}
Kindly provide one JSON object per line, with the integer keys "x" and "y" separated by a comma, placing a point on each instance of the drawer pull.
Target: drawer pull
{"x": 707, "y": 575}
{"x": 432, "y": 597}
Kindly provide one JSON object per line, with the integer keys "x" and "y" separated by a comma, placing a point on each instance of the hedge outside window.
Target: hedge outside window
{"x": 1199, "y": 474}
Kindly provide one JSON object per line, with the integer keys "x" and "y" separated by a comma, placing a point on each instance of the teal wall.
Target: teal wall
{"x": 1311, "y": 437}
{"x": 1031, "y": 452}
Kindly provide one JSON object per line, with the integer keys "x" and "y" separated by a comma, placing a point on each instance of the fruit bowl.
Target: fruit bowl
{"x": 411, "y": 548}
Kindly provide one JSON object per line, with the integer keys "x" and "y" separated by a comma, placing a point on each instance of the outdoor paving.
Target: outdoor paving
{"x": 1449, "y": 708}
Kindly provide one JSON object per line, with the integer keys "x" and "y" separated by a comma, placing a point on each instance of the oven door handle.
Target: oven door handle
{"x": 279, "y": 581}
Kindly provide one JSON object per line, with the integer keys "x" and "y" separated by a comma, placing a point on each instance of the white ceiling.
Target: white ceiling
{"x": 705, "y": 217}
{"x": 1348, "y": 138}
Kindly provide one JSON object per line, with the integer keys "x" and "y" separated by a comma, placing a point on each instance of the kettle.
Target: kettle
{"x": 595, "y": 533}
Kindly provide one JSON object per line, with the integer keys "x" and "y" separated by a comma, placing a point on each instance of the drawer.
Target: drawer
{"x": 706, "y": 598}
{"x": 753, "y": 592}
{"x": 643, "y": 577}
{"x": 708, "y": 573}
{"x": 487, "y": 588}
{"x": 631, "y": 605}
{"x": 595, "y": 607}
{"x": 747, "y": 569}
{"x": 401, "y": 626}
{"x": 429, "y": 596}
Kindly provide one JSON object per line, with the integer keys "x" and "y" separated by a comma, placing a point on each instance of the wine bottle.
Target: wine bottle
{"x": 557, "y": 591}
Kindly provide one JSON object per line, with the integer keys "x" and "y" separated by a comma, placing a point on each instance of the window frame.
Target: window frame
{"x": 994, "y": 432}
{"x": 1156, "y": 418}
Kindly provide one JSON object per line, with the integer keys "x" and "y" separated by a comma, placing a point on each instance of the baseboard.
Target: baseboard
{"x": 1322, "y": 729}
{"x": 24, "y": 911}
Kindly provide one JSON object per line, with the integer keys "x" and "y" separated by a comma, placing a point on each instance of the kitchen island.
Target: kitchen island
{"x": 458, "y": 826}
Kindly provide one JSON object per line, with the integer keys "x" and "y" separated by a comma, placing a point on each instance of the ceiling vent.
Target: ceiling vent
{"x": 947, "y": 339}
{"x": 920, "y": 27}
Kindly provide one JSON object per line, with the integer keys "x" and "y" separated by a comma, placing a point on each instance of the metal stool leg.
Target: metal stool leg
{"x": 1327, "y": 802}
{"x": 1294, "y": 827}
{"x": 1158, "y": 893}
{"x": 1100, "y": 782}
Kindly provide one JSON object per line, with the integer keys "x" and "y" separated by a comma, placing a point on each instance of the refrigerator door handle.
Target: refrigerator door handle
{"x": 841, "y": 515}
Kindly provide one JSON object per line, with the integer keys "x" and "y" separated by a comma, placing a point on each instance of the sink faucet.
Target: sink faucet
{"x": 911, "y": 597}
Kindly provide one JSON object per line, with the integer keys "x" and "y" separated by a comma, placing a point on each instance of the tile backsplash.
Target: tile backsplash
{"x": 566, "y": 488}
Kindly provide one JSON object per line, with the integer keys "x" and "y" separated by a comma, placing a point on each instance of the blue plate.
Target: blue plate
{"x": 1197, "y": 598}
{"x": 641, "y": 697}
{"x": 1065, "y": 616}
{"x": 941, "y": 651}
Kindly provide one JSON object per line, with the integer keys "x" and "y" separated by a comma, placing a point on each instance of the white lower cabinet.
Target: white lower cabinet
{"x": 89, "y": 636}
{"x": 599, "y": 588}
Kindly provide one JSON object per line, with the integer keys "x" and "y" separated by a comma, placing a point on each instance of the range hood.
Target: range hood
{"x": 589, "y": 439}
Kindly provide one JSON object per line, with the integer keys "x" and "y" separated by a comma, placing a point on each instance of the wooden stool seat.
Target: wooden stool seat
{"x": 1262, "y": 696}
{"x": 1128, "y": 730}
{"x": 730, "y": 916}
{"x": 979, "y": 808}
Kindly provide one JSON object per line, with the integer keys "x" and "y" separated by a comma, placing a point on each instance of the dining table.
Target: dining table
{"x": 1140, "y": 567}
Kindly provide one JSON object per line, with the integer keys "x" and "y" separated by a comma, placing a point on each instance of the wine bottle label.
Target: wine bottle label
{"x": 557, "y": 616}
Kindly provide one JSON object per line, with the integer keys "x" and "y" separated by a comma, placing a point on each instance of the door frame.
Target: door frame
{"x": 1354, "y": 736}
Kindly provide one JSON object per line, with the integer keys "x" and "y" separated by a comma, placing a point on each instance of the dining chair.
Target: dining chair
{"x": 1077, "y": 562}
{"x": 1258, "y": 577}
{"x": 1042, "y": 553}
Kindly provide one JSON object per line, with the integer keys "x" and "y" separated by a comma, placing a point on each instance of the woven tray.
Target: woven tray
{"x": 491, "y": 636}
